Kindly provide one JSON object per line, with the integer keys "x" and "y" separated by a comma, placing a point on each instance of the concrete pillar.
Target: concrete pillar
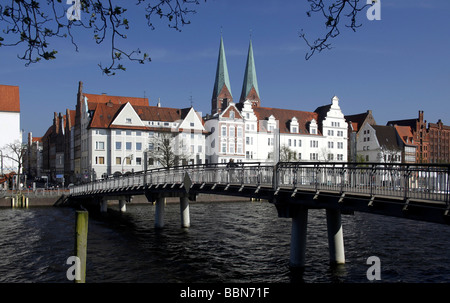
{"x": 103, "y": 205}
{"x": 335, "y": 237}
{"x": 298, "y": 238}
{"x": 122, "y": 205}
{"x": 159, "y": 212}
{"x": 184, "y": 212}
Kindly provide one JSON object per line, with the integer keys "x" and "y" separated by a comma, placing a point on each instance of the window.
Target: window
{"x": 330, "y": 132}
{"x": 232, "y": 114}
{"x": 247, "y": 140}
{"x": 313, "y": 131}
{"x": 239, "y": 148}
{"x": 138, "y": 161}
{"x": 118, "y": 132}
{"x": 99, "y": 160}
{"x": 118, "y": 145}
{"x": 118, "y": 160}
{"x": 294, "y": 129}
{"x": 151, "y": 146}
{"x": 128, "y": 120}
{"x": 232, "y": 148}
{"x": 340, "y": 145}
{"x": 330, "y": 144}
{"x": 128, "y": 145}
{"x": 151, "y": 134}
{"x": 330, "y": 157}
{"x": 239, "y": 132}
{"x": 313, "y": 156}
{"x": 199, "y": 149}
{"x": 100, "y": 145}
{"x": 138, "y": 146}
{"x": 224, "y": 147}
{"x": 138, "y": 133}
{"x": 314, "y": 143}
{"x": 151, "y": 161}
{"x": 340, "y": 157}
{"x": 128, "y": 132}
{"x": 224, "y": 130}
{"x": 128, "y": 160}
{"x": 299, "y": 156}
{"x": 231, "y": 131}
{"x": 192, "y": 124}
{"x": 289, "y": 142}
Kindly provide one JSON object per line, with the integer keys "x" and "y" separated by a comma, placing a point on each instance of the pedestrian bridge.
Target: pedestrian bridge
{"x": 413, "y": 191}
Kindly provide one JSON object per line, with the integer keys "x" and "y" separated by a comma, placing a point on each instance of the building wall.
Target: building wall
{"x": 10, "y": 133}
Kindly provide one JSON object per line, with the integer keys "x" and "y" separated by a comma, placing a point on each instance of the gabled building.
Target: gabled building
{"x": 119, "y": 134}
{"x": 432, "y": 139}
{"x": 247, "y": 131}
{"x": 377, "y": 143}
{"x": 355, "y": 124}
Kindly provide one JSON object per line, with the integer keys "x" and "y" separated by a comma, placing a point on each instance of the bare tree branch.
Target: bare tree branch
{"x": 332, "y": 13}
{"x": 33, "y": 24}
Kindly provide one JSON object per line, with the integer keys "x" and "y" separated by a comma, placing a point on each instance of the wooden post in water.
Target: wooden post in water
{"x": 81, "y": 242}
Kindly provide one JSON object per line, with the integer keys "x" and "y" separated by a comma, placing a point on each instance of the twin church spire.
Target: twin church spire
{"x": 222, "y": 90}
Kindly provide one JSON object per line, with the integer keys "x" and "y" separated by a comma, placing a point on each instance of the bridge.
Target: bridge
{"x": 412, "y": 191}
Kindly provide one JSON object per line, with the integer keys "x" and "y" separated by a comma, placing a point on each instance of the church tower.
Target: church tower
{"x": 222, "y": 91}
{"x": 250, "y": 89}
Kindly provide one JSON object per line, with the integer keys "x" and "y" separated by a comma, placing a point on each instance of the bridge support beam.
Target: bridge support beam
{"x": 335, "y": 237}
{"x": 184, "y": 212}
{"x": 298, "y": 238}
{"x": 159, "y": 212}
{"x": 122, "y": 205}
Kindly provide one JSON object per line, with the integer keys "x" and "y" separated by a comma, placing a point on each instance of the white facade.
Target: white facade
{"x": 245, "y": 138}
{"x": 370, "y": 149}
{"x": 10, "y": 134}
{"x": 122, "y": 147}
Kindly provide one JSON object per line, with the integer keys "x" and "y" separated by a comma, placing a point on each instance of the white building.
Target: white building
{"x": 10, "y": 132}
{"x": 377, "y": 143}
{"x": 117, "y": 133}
{"x": 247, "y": 132}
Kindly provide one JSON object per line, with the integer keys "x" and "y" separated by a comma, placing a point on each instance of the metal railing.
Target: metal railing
{"x": 408, "y": 181}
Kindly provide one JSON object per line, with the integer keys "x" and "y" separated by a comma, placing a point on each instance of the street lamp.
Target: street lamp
{"x": 129, "y": 157}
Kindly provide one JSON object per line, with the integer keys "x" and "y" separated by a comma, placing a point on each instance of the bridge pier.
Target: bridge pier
{"x": 122, "y": 205}
{"x": 184, "y": 211}
{"x": 103, "y": 205}
{"x": 335, "y": 237}
{"x": 159, "y": 212}
{"x": 298, "y": 238}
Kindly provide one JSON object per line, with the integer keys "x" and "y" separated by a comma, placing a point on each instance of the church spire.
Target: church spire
{"x": 250, "y": 89}
{"x": 222, "y": 89}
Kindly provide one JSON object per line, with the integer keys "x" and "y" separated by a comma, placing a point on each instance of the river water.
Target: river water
{"x": 227, "y": 242}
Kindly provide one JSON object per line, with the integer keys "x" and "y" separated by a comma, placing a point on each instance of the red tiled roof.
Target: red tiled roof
{"x": 405, "y": 134}
{"x": 284, "y": 117}
{"x": 9, "y": 98}
{"x": 92, "y": 98}
{"x": 105, "y": 113}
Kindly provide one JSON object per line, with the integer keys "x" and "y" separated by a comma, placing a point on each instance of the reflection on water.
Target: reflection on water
{"x": 227, "y": 242}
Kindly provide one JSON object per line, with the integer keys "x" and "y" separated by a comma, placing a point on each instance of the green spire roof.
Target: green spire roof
{"x": 250, "y": 79}
{"x": 222, "y": 77}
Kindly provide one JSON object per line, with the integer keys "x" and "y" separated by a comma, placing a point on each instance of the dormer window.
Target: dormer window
{"x": 313, "y": 127}
{"x": 294, "y": 125}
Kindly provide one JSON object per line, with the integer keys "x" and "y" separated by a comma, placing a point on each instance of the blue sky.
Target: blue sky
{"x": 395, "y": 67}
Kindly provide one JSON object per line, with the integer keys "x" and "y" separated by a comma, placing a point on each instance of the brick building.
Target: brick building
{"x": 432, "y": 140}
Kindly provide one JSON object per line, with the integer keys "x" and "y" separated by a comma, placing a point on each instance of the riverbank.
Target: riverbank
{"x": 141, "y": 199}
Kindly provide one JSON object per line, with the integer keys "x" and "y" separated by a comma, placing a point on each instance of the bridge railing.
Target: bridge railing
{"x": 408, "y": 181}
{"x": 221, "y": 173}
